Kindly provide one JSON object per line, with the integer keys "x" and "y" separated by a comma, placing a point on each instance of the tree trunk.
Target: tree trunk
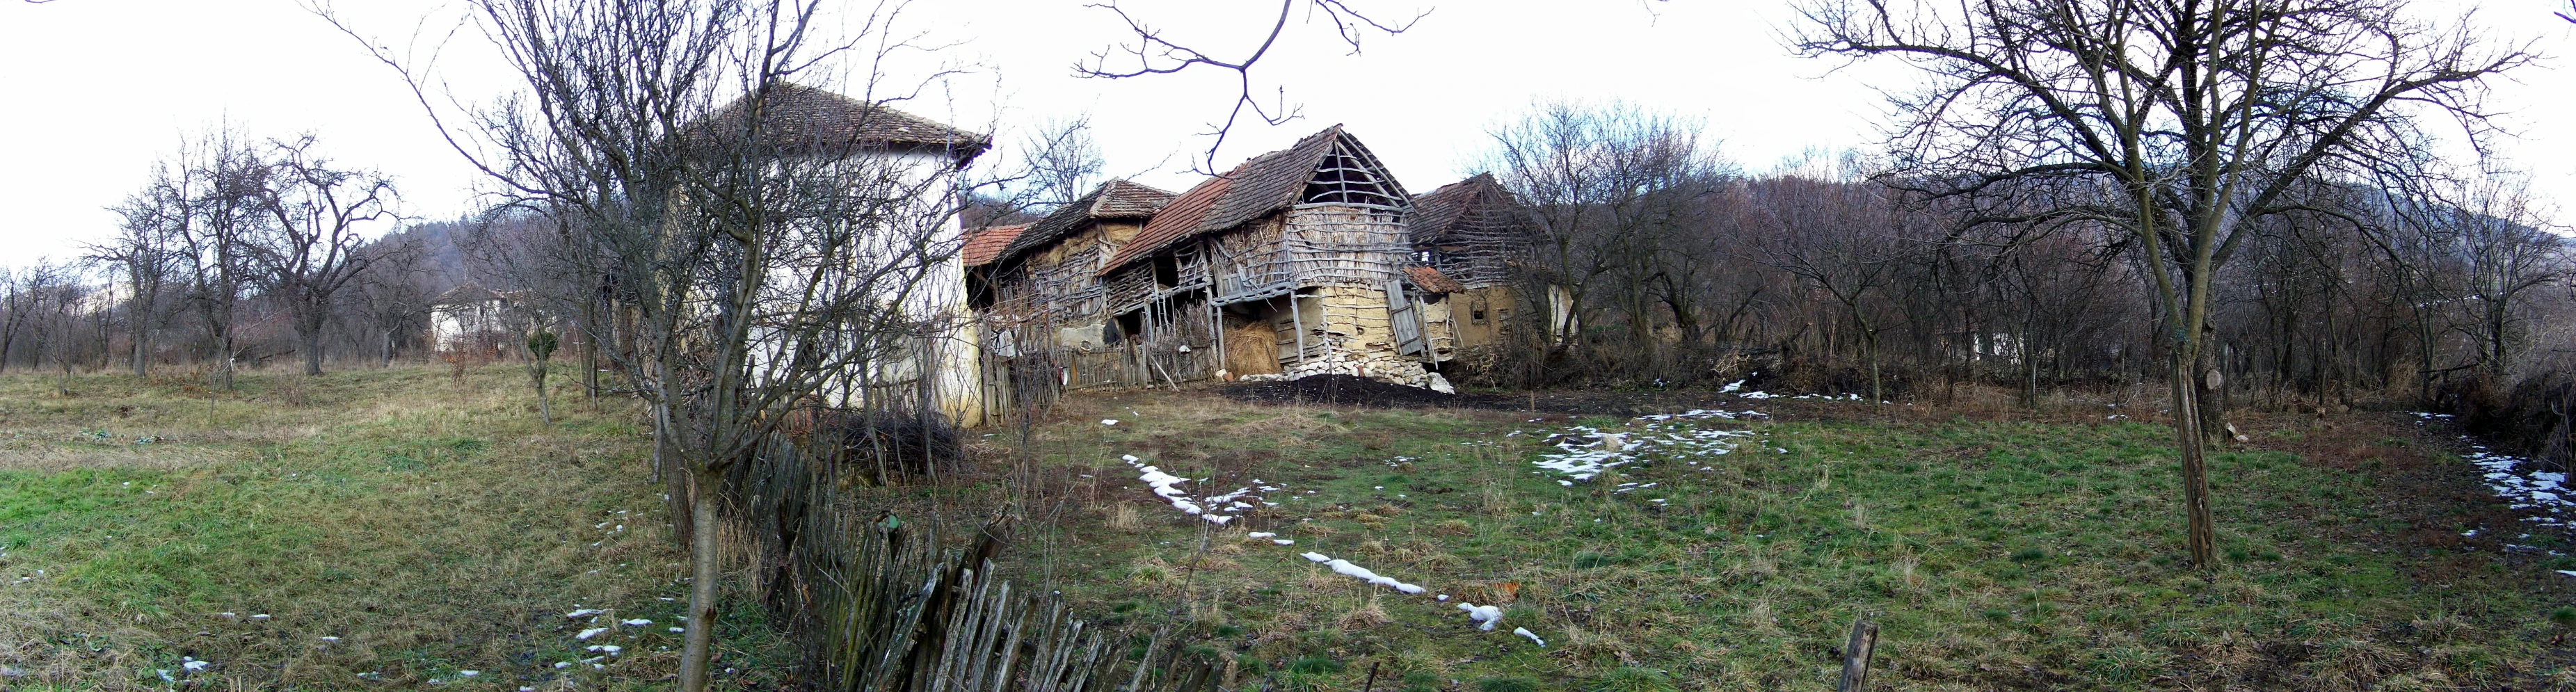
{"x": 544, "y": 412}
{"x": 312, "y": 339}
{"x": 2195, "y": 475}
{"x": 2210, "y": 388}
{"x": 1876, "y": 394}
{"x": 698, "y": 641}
{"x": 224, "y": 363}
{"x": 141, "y": 340}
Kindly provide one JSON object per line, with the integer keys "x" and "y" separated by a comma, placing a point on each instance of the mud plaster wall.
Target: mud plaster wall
{"x": 1347, "y": 333}
{"x": 1497, "y": 304}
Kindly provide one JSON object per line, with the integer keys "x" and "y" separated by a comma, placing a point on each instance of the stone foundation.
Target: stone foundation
{"x": 1347, "y": 333}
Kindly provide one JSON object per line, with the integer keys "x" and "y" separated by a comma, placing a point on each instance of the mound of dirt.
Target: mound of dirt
{"x": 1338, "y": 390}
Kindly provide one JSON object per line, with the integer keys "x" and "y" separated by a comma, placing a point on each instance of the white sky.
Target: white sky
{"x": 93, "y": 91}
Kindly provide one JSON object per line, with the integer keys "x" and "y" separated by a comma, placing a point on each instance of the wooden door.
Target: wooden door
{"x": 1404, "y": 319}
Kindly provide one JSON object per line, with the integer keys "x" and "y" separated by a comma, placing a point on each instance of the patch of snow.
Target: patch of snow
{"x": 1345, "y": 568}
{"x": 1108, "y": 421}
{"x": 588, "y": 633}
{"x": 2544, "y": 491}
{"x": 1524, "y": 631}
{"x": 1583, "y": 452}
{"x": 1485, "y": 616}
{"x": 638, "y": 622}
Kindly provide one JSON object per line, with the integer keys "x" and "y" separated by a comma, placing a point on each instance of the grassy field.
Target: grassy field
{"x": 404, "y": 526}
{"x": 360, "y": 529}
{"x": 1996, "y": 553}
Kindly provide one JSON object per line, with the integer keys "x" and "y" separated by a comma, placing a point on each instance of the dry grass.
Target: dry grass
{"x": 400, "y": 525}
{"x": 2001, "y": 547}
{"x": 1366, "y": 615}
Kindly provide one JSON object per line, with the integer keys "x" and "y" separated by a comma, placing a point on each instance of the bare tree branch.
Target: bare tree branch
{"x": 1151, "y": 53}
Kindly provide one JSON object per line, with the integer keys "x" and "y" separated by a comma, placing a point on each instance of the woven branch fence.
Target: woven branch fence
{"x": 881, "y": 605}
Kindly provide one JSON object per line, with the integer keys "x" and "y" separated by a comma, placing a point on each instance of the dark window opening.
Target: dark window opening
{"x": 979, "y": 291}
{"x": 1126, "y": 326}
{"x": 1167, "y": 271}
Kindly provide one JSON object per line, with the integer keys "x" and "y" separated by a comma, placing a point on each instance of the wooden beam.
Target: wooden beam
{"x": 1856, "y": 654}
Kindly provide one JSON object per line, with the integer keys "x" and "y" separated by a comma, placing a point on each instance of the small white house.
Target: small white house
{"x": 882, "y": 153}
{"x": 470, "y": 316}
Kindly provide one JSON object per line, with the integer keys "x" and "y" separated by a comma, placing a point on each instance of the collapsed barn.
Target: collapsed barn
{"x": 1303, "y": 261}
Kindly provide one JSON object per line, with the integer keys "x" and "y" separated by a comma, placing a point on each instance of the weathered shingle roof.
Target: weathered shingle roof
{"x": 1437, "y": 211}
{"x": 1263, "y": 184}
{"x": 1177, "y": 220}
{"x": 985, "y": 245}
{"x": 1116, "y": 199}
{"x": 804, "y": 116}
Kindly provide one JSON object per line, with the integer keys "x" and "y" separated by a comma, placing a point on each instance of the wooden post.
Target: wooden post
{"x": 1298, "y": 318}
{"x": 1856, "y": 653}
{"x": 1216, "y": 330}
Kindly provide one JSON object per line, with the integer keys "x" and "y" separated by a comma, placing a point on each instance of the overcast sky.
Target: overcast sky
{"x": 96, "y": 90}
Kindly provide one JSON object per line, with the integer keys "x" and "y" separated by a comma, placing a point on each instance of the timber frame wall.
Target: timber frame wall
{"x": 1334, "y": 272}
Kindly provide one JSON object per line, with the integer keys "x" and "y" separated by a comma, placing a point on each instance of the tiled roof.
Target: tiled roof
{"x": 1264, "y": 184}
{"x": 984, "y": 246}
{"x": 1116, "y": 199}
{"x": 1177, "y": 220}
{"x": 1432, "y": 280}
{"x": 806, "y": 116}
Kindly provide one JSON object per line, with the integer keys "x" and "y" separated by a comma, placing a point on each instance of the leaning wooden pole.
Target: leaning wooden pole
{"x": 1856, "y": 653}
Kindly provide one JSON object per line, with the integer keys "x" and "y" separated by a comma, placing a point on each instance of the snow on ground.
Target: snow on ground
{"x": 1583, "y": 451}
{"x": 1484, "y": 615}
{"x": 1168, "y": 487}
{"x": 2522, "y": 485}
{"x": 1345, "y": 568}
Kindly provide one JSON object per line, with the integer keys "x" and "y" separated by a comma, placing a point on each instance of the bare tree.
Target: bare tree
{"x": 393, "y": 294}
{"x": 1843, "y": 238}
{"x": 1608, "y": 186}
{"x": 309, "y": 250}
{"x": 143, "y": 251}
{"x": 21, "y": 301}
{"x": 1063, "y": 162}
{"x": 2504, "y": 256}
{"x": 764, "y": 260}
{"x": 2191, "y": 116}
{"x": 224, "y": 182}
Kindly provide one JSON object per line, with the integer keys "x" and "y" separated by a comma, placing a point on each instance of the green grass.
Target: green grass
{"x": 1993, "y": 554}
{"x": 434, "y": 525}
{"x": 431, "y": 524}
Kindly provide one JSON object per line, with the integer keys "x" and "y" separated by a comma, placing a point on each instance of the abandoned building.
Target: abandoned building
{"x": 1303, "y": 261}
